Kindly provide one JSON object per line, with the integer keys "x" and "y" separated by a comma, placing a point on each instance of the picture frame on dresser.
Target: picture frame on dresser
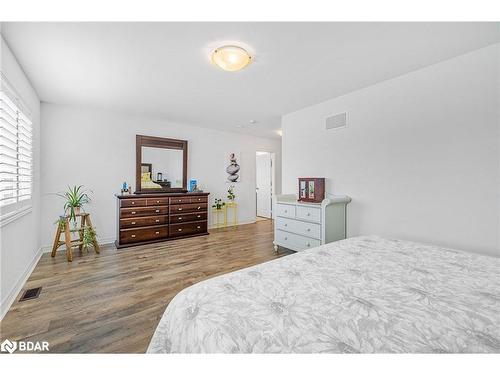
{"x": 311, "y": 189}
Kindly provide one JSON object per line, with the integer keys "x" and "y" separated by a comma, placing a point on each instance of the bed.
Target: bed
{"x": 361, "y": 295}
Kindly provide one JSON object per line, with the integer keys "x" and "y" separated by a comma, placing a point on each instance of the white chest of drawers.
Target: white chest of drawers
{"x": 300, "y": 226}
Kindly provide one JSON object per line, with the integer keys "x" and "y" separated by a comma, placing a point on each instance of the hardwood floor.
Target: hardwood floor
{"x": 112, "y": 302}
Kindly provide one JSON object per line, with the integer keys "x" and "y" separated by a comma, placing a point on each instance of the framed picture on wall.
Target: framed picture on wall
{"x": 233, "y": 168}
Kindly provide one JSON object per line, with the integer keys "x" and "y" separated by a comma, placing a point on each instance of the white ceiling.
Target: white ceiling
{"x": 163, "y": 69}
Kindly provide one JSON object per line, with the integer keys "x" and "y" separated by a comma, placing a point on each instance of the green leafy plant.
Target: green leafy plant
{"x": 89, "y": 236}
{"x": 75, "y": 198}
{"x": 218, "y": 204}
{"x": 61, "y": 222}
{"x": 230, "y": 193}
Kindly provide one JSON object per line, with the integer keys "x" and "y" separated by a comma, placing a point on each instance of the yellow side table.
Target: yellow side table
{"x": 234, "y": 206}
{"x": 216, "y": 217}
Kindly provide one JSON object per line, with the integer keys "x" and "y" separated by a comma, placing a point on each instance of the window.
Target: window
{"x": 16, "y": 160}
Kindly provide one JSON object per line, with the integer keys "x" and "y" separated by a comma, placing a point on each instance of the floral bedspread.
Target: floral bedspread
{"x": 360, "y": 295}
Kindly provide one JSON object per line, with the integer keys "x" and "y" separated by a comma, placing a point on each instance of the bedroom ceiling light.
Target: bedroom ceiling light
{"x": 231, "y": 58}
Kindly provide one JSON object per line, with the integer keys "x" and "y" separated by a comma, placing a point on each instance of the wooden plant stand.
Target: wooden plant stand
{"x": 85, "y": 222}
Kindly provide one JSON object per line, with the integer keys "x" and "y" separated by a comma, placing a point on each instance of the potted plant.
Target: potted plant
{"x": 89, "y": 236}
{"x": 218, "y": 204}
{"x": 75, "y": 198}
{"x": 230, "y": 193}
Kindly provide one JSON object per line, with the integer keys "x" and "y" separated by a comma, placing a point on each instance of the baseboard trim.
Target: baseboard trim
{"x": 238, "y": 224}
{"x": 7, "y": 302}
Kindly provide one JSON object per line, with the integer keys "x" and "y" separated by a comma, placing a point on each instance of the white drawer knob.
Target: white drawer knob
{"x": 180, "y": 209}
{"x": 180, "y": 217}
{"x": 133, "y": 202}
{"x": 157, "y": 201}
{"x": 133, "y": 236}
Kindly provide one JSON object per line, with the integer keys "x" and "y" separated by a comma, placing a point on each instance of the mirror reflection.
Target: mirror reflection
{"x": 161, "y": 168}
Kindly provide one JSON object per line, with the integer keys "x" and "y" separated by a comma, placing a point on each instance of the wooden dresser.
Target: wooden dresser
{"x": 148, "y": 218}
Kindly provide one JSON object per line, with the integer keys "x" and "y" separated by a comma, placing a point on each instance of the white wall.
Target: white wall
{"x": 20, "y": 239}
{"x": 97, "y": 149}
{"x": 420, "y": 154}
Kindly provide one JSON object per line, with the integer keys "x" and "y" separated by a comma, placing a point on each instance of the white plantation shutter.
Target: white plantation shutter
{"x": 16, "y": 160}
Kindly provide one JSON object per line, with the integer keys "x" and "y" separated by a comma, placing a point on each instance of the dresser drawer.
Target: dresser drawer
{"x": 309, "y": 213}
{"x": 285, "y": 210}
{"x": 294, "y": 241}
{"x": 177, "y": 200}
{"x": 143, "y": 211}
{"x": 303, "y": 228}
{"x": 143, "y": 234}
{"x": 143, "y": 221}
{"x": 195, "y": 227}
{"x": 192, "y": 207}
{"x": 182, "y": 218}
{"x": 157, "y": 201}
{"x": 133, "y": 202}
{"x": 198, "y": 199}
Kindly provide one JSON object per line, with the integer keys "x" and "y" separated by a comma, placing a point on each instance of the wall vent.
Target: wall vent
{"x": 337, "y": 121}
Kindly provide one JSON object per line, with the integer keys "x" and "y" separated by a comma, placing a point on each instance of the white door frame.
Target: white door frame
{"x": 272, "y": 179}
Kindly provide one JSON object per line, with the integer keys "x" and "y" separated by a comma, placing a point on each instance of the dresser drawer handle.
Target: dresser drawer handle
{"x": 157, "y": 220}
{"x": 199, "y": 208}
{"x": 180, "y": 209}
{"x": 286, "y": 211}
{"x": 286, "y": 238}
{"x": 198, "y": 227}
{"x": 199, "y": 199}
{"x": 157, "y": 210}
{"x": 133, "y": 223}
{"x": 133, "y": 236}
{"x": 286, "y": 225}
{"x": 157, "y": 232}
{"x": 133, "y": 212}
{"x": 308, "y": 214}
{"x": 308, "y": 229}
{"x": 308, "y": 244}
{"x": 133, "y": 202}
{"x": 180, "y": 229}
{"x": 198, "y": 216}
{"x": 180, "y": 217}
{"x": 157, "y": 201}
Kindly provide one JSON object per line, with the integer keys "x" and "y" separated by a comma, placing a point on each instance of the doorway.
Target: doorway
{"x": 264, "y": 188}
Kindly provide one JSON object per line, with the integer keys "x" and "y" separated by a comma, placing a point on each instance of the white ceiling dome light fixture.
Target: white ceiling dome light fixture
{"x": 231, "y": 57}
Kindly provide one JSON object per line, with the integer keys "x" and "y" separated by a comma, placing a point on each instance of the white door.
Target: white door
{"x": 263, "y": 188}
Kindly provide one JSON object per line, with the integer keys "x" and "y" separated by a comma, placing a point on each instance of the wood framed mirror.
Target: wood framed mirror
{"x": 161, "y": 165}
